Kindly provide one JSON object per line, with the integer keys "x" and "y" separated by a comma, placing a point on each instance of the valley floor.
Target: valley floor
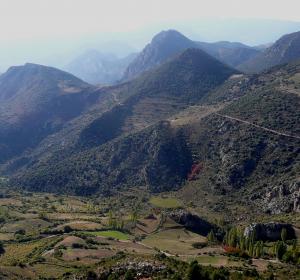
{"x": 54, "y": 237}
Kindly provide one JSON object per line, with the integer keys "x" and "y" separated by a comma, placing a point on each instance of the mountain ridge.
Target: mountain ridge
{"x": 285, "y": 49}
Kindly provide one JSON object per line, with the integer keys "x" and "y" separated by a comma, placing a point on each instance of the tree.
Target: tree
{"x": 129, "y": 275}
{"x": 194, "y": 271}
{"x": 283, "y": 234}
{"x": 280, "y": 249}
{"x": 112, "y": 223}
{"x": 258, "y": 249}
{"x": 67, "y": 229}
{"x": 134, "y": 216}
{"x": 211, "y": 237}
{"x": 2, "y": 250}
{"x": 294, "y": 244}
{"x": 43, "y": 216}
{"x": 242, "y": 244}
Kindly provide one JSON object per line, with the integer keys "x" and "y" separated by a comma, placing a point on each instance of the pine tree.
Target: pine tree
{"x": 280, "y": 249}
{"x": 283, "y": 234}
{"x": 211, "y": 237}
{"x": 194, "y": 271}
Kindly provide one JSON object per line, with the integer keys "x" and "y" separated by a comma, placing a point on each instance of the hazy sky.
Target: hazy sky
{"x": 29, "y": 19}
{"x": 29, "y": 25}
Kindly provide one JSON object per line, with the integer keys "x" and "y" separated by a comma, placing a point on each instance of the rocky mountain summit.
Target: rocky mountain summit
{"x": 162, "y": 47}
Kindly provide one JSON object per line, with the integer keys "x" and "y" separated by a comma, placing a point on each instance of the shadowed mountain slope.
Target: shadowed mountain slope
{"x": 151, "y": 98}
{"x": 35, "y": 102}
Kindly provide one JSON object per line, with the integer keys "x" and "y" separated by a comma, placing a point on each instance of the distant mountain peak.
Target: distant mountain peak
{"x": 163, "y": 46}
{"x": 168, "y": 34}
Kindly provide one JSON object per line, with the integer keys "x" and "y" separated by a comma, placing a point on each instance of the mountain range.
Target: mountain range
{"x": 183, "y": 120}
{"x": 103, "y": 68}
{"x": 168, "y": 43}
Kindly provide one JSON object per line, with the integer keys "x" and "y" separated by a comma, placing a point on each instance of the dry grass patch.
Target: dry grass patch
{"x": 175, "y": 241}
{"x": 79, "y": 254}
{"x": 29, "y": 225}
{"x": 81, "y": 225}
{"x": 10, "y": 202}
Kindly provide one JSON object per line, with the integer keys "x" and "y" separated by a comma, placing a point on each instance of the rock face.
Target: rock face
{"x": 192, "y": 222}
{"x": 283, "y": 198}
{"x": 269, "y": 231}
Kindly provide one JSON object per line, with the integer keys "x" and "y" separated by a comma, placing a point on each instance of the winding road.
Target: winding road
{"x": 258, "y": 126}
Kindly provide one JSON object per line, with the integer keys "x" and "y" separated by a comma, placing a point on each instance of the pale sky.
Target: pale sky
{"x": 27, "y": 19}
{"x": 23, "y": 22}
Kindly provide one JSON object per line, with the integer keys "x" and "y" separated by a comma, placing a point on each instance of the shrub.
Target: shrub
{"x": 199, "y": 245}
{"x": 77, "y": 246}
{"x": 67, "y": 229}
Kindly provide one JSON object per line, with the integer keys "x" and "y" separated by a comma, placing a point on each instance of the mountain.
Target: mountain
{"x": 167, "y": 44}
{"x": 111, "y": 140}
{"x": 231, "y": 53}
{"x": 191, "y": 124}
{"x": 95, "y": 67}
{"x": 162, "y": 47}
{"x": 236, "y": 144}
{"x": 35, "y": 102}
{"x": 284, "y": 50}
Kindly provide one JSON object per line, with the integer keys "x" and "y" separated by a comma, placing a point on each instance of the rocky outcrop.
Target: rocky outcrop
{"x": 193, "y": 222}
{"x": 282, "y": 198}
{"x": 269, "y": 231}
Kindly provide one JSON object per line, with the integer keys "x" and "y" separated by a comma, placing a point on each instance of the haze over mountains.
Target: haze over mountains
{"x": 182, "y": 105}
{"x": 60, "y": 51}
{"x": 99, "y": 68}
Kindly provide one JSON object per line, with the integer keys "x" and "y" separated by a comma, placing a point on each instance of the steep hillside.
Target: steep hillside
{"x": 153, "y": 97}
{"x": 242, "y": 150}
{"x": 162, "y": 47}
{"x": 97, "y": 68}
{"x": 286, "y": 49}
{"x": 159, "y": 94}
{"x": 35, "y": 102}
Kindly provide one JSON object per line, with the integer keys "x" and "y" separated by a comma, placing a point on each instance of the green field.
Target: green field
{"x": 169, "y": 202}
{"x": 111, "y": 233}
{"x": 213, "y": 260}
